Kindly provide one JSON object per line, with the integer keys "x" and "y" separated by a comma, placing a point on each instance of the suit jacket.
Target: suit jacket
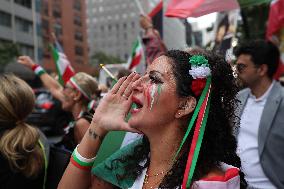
{"x": 270, "y": 134}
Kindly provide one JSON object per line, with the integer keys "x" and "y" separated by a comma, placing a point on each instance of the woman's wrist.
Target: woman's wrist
{"x": 97, "y": 133}
{"x": 37, "y": 69}
{"x": 91, "y": 142}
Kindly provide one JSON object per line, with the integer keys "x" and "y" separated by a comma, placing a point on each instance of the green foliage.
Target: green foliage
{"x": 8, "y": 51}
{"x": 102, "y": 58}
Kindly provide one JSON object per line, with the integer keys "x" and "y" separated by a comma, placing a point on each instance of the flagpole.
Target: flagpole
{"x": 140, "y": 7}
{"x": 108, "y": 72}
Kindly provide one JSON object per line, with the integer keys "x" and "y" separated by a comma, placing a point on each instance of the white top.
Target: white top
{"x": 248, "y": 141}
{"x": 230, "y": 181}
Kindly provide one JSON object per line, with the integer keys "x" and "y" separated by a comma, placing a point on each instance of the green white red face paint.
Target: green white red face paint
{"x": 152, "y": 94}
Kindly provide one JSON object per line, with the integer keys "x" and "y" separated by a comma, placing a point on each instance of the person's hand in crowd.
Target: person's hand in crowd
{"x": 145, "y": 22}
{"x": 26, "y": 60}
{"x": 113, "y": 108}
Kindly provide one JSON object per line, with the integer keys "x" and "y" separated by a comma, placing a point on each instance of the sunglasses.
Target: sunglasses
{"x": 240, "y": 67}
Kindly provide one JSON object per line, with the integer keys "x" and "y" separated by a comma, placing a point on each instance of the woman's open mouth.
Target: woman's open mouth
{"x": 137, "y": 105}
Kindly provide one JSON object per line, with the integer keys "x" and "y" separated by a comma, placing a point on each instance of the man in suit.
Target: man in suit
{"x": 261, "y": 112}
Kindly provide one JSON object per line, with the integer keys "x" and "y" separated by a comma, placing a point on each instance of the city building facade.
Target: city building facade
{"x": 67, "y": 20}
{"x": 113, "y": 26}
{"x": 20, "y": 24}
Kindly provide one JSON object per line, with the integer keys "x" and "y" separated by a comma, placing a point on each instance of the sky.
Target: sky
{"x": 204, "y": 21}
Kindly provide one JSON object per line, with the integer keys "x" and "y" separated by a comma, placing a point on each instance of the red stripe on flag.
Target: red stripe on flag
{"x": 135, "y": 61}
{"x": 275, "y": 19}
{"x": 156, "y": 9}
{"x": 194, "y": 141}
{"x": 68, "y": 73}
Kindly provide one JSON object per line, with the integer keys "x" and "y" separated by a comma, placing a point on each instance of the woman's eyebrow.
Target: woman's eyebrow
{"x": 156, "y": 72}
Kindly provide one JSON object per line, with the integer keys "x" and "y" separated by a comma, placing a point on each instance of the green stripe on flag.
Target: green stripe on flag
{"x": 55, "y": 56}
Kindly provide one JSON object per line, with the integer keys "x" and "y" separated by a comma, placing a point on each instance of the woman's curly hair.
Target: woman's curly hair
{"x": 219, "y": 144}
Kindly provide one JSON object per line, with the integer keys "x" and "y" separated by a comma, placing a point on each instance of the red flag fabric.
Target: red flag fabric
{"x": 196, "y": 8}
{"x": 276, "y": 18}
{"x": 158, "y": 8}
{"x": 157, "y": 17}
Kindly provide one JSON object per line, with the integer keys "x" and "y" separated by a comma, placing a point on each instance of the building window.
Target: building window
{"x": 25, "y": 3}
{"x": 5, "y": 19}
{"x": 57, "y": 29}
{"x": 102, "y": 28}
{"x": 45, "y": 8}
{"x": 126, "y": 56}
{"x": 79, "y": 61}
{"x": 45, "y": 24}
{"x": 26, "y": 49}
{"x": 24, "y": 25}
{"x": 77, "y": 20}
{"x": 124, "y": 26}
{"x": 125, "y": 35}
{"x": 77, "y": 5}
{"x": 101, "y": 9}
{"x": 56, "y": 11}
{"x": 79, "y": 51}
{"x": 78, "y": 36}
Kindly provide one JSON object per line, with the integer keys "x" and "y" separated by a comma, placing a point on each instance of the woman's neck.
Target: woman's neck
{"x": 163, "y": 148}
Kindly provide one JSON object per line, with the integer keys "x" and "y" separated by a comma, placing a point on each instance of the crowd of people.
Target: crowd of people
{"x": 197, "y": 128}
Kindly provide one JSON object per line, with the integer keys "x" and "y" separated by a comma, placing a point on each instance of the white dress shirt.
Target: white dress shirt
{"x": 248, "y": 141}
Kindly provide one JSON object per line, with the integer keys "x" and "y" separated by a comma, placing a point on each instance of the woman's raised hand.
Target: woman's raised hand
{"x": 26, "y": 60}
{"x": 113, "y": 108}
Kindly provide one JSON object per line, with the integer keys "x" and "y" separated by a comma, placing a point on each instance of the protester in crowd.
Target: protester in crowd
{"x": 23, "y": 148}
{"x": 103, "y": 90}
{"x": 261, "y": 110}
{"x": 123, "y": 72}
{"x": 75, "y": 97}
{"x": 168, "y": 97}
{"x": 154, "y": 46}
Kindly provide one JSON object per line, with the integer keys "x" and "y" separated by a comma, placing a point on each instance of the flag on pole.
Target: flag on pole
{"x": 275, "y": 29}
{"x": 63, "y": 66}
{"x": 136, "y": 54}
{"x": 157, "y": 17}
{"x": 276, "y": 18}
{"x": 197, "y": 8}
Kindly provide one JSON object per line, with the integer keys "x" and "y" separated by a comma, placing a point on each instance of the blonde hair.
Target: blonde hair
{"x": 88, "y": 84}
{"x": 19, "y": 142}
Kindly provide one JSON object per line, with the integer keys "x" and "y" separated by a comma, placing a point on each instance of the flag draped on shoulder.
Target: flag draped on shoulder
{"x": 63, "y": 66}
{"x": 136, "y": 54}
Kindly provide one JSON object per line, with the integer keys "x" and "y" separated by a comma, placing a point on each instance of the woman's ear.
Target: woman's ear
{"x": 77, "y": 96}
{"x": 186, "y": 106}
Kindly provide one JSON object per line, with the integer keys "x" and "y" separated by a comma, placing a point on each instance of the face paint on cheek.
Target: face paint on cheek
{"x": 159, "y": 92}
{"x": 153, "y": 91}
{"x": 147, "y": 94}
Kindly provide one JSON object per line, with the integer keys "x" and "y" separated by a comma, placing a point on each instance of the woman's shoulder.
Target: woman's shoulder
{"x": 225, "y": 176}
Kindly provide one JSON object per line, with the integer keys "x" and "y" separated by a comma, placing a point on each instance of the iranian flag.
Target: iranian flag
{"x": 136, "y": 54}
{"x": 196, "y": 8}
{"x": 276, "y": 18}
{"x": 63, "y": 66}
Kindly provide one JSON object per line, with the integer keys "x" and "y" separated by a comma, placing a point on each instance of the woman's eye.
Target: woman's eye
{"x": 155, "y": 79}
